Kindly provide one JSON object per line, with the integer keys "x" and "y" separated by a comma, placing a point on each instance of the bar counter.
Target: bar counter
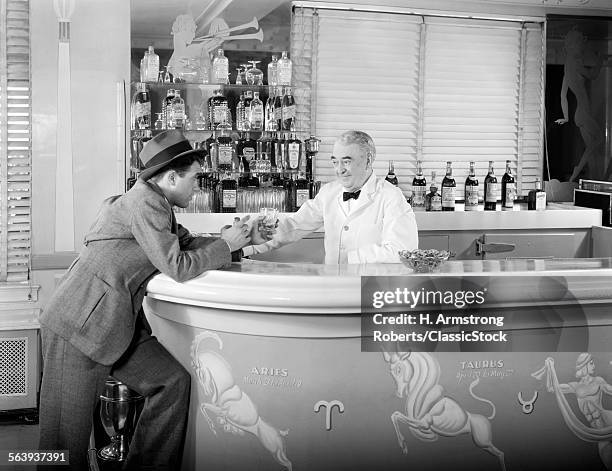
{"x": 279, "y": 379}
{"x": 556, "y": 215}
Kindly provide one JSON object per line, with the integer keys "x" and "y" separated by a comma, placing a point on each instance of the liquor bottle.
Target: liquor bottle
{"x": 212, "y": 149}
{"x": 217, "y": 109}
{"x": 144, "y": 62}
{"x": 289, "y": 186}
{"x": 433, "y": 199}
{"x": 391, "y": 178}
{"x": 536, "y": 199}
{"x": 213, "y": 187}
{"x": 240, "y": 115}
{"x": 177, "y": 110}
{"x": 256, "y": 115}
{"x": 226, "y": 150}
{"x": 471, "y": 190}
{"x": 229, "y": 190}
{"x": 288, "y": 110}
{"x": 419, "y": 188}
{"x": 263, "y": 153}
{"x": 245, "y": 150}
{"x": 166, "y": 108}
{"x": 280, "y": 152}
{"x": 278, "y": 108}
{"x": 311, "y": 147}
{"x": 248, "y": 99}
{"x": 270, "y": 122}
{"x": 490, "y": 189}
{"x": 273, "y": 71}
{"x": 302, "y": 191}
{"x": 294, "y": 152}
{"x": 220, "y": 68}
{"x": 151, "y": 65}
{"x": 508, "y": 190}
{"x": 241, "y": 175}
{"x": 273, "y": 162}
{"x": 284, "y": 67}
{"x": 141, "y": 108}
{"x": 448, "y": 189}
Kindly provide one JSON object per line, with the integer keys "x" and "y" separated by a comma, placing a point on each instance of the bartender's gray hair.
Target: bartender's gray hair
{"x": 362, "y": 139}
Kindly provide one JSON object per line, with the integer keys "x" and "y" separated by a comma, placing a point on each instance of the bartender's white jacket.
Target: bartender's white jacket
{"x": 370, "y": 229}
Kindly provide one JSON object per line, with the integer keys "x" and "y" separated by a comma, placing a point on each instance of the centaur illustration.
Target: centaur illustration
{"x": 234, "y": 408}
{"x": 429, "y": 413}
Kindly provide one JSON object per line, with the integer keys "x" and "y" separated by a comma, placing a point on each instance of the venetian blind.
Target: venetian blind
{"x": 428, "y": 88}
{"x": 15, "y": 140}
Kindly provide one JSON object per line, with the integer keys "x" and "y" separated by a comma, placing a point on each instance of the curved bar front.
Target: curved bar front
{"x": 279, "y": 378}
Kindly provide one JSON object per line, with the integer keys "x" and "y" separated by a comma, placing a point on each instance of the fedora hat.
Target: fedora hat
{"x": 164, "y": 148}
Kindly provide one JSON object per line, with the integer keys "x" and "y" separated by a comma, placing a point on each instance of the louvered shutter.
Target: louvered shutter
{"x": 480, "y": 91}
{"x": 367, "y": 78}
{"x": 15, "y": 140}
{"x": 531, "y": 113}
{"x": 427, "y": 87}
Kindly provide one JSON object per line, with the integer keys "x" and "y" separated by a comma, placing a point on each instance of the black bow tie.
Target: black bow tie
{"x": 347, "y": 195}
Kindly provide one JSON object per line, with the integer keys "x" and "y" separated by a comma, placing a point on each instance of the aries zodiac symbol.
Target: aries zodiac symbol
{"x": 234, "y": 408}
{"x": 429, "y": 413}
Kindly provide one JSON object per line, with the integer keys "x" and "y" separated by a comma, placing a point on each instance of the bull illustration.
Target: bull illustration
{"x": 233, "y": 408}
{"x": 429, "y": 413}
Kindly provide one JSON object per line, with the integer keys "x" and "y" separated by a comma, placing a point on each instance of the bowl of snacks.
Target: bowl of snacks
{"x": 424, "y": 260}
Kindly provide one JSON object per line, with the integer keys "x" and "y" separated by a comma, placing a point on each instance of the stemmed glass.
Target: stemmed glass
{"x": 167, "y": 75}
{"x": 245, "y": 73}
{"x": 254, "y": 76}
{"x": 238, "y": 76}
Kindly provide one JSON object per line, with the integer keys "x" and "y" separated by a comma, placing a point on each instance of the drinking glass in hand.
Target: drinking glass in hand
{"x": 267, "y": 222}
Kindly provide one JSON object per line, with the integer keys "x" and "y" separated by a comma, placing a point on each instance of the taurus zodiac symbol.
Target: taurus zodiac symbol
{"x": 527, "y": 405}
{"x": 234, "y": 408}
{"x": 328, "y": 410}
{"x": 428, "y": 412}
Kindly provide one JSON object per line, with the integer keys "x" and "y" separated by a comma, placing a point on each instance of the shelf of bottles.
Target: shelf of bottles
{"x": 253, "y": 153}
{"x": 442, "y": 196}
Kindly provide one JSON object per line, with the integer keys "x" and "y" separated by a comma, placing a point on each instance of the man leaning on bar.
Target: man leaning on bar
{"x": 366, "y": 219}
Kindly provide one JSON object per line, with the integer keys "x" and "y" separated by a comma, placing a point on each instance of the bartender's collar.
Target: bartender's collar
{"x": 370, "y": 182}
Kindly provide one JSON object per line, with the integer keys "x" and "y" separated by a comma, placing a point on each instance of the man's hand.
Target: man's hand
{"x": 263, "y": 231}
{"x": 236, "y": 235}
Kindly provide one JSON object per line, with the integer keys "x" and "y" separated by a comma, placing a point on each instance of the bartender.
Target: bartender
{"x": 366, "y": 219}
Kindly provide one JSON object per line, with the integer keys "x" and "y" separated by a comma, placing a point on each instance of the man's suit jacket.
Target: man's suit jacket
{"x": 135, "y": 236}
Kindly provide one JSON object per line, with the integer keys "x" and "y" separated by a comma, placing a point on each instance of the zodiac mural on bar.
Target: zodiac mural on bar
{"x": 589, "y": 390}
{"x": 233, "y": 408}
{"x": 429, "y": 413}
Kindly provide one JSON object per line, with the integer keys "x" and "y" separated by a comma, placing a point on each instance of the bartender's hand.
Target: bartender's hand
{"x": 236, "y": 235}
{"x": 262, "y": 231}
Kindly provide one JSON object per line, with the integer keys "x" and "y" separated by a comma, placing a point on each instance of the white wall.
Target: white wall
{"x": 100, "y": 54}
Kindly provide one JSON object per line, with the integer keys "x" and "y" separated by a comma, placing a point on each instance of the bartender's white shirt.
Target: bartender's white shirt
{"x": 370, "y": 229}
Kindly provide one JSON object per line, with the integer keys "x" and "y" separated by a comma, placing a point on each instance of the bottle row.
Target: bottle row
{"x": 249, "y": 113}
{"x": 242, "y": 192}
{"x": 443, "y": 197}
{"x": 200, "y": 70}
{"x": 271, "y": 153}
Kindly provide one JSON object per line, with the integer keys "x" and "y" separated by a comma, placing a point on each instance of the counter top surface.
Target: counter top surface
{"x": 286, "y": 287}
{"x": 556, "y": 216}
